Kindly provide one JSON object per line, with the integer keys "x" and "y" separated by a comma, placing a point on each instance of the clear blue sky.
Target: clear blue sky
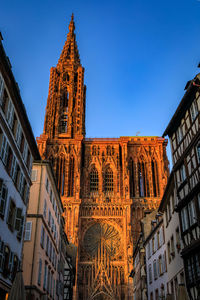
{"x": 138, "y": 56}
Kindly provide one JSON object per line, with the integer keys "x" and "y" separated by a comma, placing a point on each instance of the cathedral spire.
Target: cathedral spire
{"x": 71, "y": 24}
{"x": 70, "y": 50}
{"x": 65, "y": 110}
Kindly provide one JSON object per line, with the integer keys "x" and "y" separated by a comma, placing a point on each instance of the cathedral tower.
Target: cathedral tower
{"x": 106, "y": 185}
{"x": 65, "y": 111}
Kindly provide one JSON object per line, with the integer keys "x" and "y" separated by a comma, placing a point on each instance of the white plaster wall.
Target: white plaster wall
{"x": 162, "y": 279}
{"x": 8, "y": 236}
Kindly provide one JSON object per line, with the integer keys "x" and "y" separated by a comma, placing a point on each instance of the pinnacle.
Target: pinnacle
{"x": 71, "y": 24}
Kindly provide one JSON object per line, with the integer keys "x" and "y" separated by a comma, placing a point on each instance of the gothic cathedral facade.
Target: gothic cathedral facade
{"x": 106, "y": 184}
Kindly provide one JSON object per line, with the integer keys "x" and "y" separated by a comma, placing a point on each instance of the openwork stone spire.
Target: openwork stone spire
{"x": 65, "y": 110}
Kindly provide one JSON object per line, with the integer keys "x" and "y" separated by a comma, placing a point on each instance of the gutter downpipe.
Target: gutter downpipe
{"x": 38, "y": 206}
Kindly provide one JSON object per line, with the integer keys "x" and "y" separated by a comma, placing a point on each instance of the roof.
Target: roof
{"x": 192, "y": 87}
{"x": 5, "y": 67}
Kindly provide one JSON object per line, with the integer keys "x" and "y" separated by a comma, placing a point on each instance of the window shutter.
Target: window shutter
{"x": 2, "y": 258}
{"x": 34, "y": 175}
{"x": 18, "y": 219}
{"x": 20, "y": 232}
{"x": 3, "y": 199}
{"x": 28, "y": 231}
{"x": 39, "y": 271}
{"x": 10, "y": 265}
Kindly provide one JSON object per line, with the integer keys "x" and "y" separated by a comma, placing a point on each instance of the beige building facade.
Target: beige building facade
{"x": 42, "y": 241}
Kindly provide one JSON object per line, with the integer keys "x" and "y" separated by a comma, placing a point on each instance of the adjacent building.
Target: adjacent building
{"x": 156, "y": 265}
{"x": 44, "y": 240}
{"x": 175, "y": 268}
{"x": 17, "y": 151}
{"x": 139, "y": 274}
{"x": 184, "y": 134}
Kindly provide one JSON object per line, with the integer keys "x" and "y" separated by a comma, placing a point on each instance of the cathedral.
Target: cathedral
{"x": 106, "y": 184}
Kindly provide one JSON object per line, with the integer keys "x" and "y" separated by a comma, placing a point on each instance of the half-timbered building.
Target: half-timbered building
{"x": 184, "y": 133}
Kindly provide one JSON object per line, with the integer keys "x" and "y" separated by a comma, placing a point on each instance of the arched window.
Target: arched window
{"x": 94, "y": 180}
{"x": 140, "y": 180}
{"x": 154, "y": 168}
{"x": 132, "y": 183}
{"x": 143, "y": 180}
{"x": 108, "y": 180}
{"x": 71, "y": 178}
{"x": 61, "y": 175}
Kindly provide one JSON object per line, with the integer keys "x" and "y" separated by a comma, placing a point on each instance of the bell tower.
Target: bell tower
{"x": 65, "y": 110}
{"x": 64, "y": 128}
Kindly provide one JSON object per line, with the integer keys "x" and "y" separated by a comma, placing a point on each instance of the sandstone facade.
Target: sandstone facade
{"x": 105, "y": 184}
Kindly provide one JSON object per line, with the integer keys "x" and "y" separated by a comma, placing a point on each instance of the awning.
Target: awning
{"x": 17, "y": 291}
{"x": 182, "y": 293}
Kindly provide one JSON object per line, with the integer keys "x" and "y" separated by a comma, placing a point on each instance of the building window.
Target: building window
{"x": 155, "y": 270}
{"x": 199, "y": 201}
{"x": 164, "y": 265}
{"x": 160, "y": 265}
{"x": 172, "y": 252}
{"x": 10, "y": 114}
{"x": 182, "y": 173}
{"x": 148, "y": 250}
{"x": 168, "y": 252}
{"x": 11, "y": 214}
{"x": 18, "y": 219}
{"x": 193, "y": 110}
{"x": 39, "y": 271}
{"x": 49, "y": 218}
{"x": 13, "y": 171}
{"x": 71, "y": 178}
{"x": 28, "y": 229}
{"x": 198, "y": 152}
{"x": 178, "y": 242}
{"x": 42, "y": 238}
{"x": 184, "y": 219}
{"x": 108, "y": 180}
{"x": 3, "y": 199}
{"x": 47, "y": 245}
{"x": 158, "y": 240}
{"x": 179, "y": 134}
{"x": 132, "y": 179}
{"x": 45, "y": 208}
{"x": 153, "y": 245}
{"x": 94, "y": 180}
{"x": 190, "y": 269}
{"x": 154, "y": 169}
{"x": 192, "y": 212}
{"x": 150, "y": 274}
{"x": 45, "y": 277}
{"x": 157, "y": 295}
{"x": 47, "y": 185}
{"x": 4, "y": 150}
{"x": 6, "y": 270}
{"x": 34, "y": 175}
